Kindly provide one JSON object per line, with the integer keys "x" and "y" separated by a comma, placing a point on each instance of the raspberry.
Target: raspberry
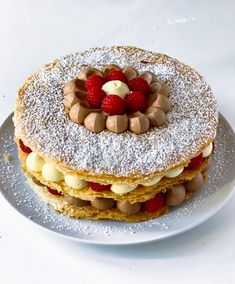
{"x": 94, "y": 81}
{"x": 139, "y": 84}
{"x": 53, "y": 191}
{"x": 135, "y": 101}
{"x": 99, "y": 187}
{"x": 195, "y": 163}
{"x": 155, "y": 204}
{"x": 24, "y": 148}
{"x": 95, "y": 97}
{"x": 116, "y": 75}
{"x": 113, "y": 104}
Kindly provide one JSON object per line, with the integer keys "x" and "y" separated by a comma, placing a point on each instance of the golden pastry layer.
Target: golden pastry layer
{"x": 140, "y": 194}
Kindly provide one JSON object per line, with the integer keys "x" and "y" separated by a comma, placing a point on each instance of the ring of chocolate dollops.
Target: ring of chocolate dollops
{"x": 152, "y": 112}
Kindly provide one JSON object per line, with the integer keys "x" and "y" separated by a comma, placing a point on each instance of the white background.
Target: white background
{"x": 199, "y": 33}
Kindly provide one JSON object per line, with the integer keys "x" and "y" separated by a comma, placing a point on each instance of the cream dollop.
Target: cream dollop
{"x": 152, "y": 181}
{"x": 123, "y": 188}
{"x": 50, "y": 173}
{"x": 75, "y": 182}
{"x": 174, "y": 172}
{"x": 34, "y": 162}
{"x": 116, "y": 87}
{"x": 207, "y": 151}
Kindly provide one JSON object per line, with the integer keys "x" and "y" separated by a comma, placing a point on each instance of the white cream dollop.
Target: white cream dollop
{"x": 174, "y": 172}
{"x": 116, "y": 87}
{"x": 75, "y": 182}
{"x": 123, "y": 188}
{"x": 207, "y": 151}
{"x": 50, "y": 173}
{"x": 152, "y": 181}
{"x": 34, "y": 162}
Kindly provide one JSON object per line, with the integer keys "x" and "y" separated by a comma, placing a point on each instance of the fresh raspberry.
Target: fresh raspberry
{"x": 135, "y": 101}
{"x": 94, "y": 81}
{"x": 154, "y": 204}
{"x": 24, "y": 148}
{"x": 113, "y": 104}
{"x": 95, "y": 97}
{"x": 139, "y": 84}
{"x": 116, "y": 75}
{"x": 53, "y": 191}
{"x": 99, "y": 187}
{"x": 195, "y": 163}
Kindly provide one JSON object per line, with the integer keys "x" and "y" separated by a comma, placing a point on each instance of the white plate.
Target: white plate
{"x": 216, "y": 192}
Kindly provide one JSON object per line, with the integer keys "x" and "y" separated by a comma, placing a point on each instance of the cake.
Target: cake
{"x": 116, "y": 133}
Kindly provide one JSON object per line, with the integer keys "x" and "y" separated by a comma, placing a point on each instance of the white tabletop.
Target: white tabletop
{"x": 201, "y": 35}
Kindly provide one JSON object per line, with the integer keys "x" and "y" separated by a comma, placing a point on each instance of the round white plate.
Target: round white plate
{"x": 216, "y": 192}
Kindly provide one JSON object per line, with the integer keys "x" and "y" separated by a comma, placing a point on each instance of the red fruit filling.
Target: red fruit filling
{"x": 24, "y": 148}
{"x": 155, "y": 204}
{"x": 53, "y": 191}
{"x": 99, "y": 187}
{"x": 213, "y": 147}
{"x": 195, "y": 163}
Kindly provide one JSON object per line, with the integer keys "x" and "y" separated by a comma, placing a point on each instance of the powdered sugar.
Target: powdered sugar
{"x": 216, "y": 191}
{"x": 44, "y": 125}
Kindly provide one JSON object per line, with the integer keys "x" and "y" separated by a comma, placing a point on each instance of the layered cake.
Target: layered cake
{"x": 115, "y": 133}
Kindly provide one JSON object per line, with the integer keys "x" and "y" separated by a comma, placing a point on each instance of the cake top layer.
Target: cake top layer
{"x": 41, "y": 121}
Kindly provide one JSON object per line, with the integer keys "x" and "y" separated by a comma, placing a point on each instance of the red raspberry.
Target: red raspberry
{"x": 95, "y": 97}
{"x": 24, "y": 148}
{"x": 139, "y": 84}
{"x": 99, "y": 187}
{"x": 116, "y": 75}
{"x": 113, "y": 104}
{"x": 155, "y": 204}
{"x": 53, "y": 191}
{"x": 195, "y": 163}
{"x": 94, "y": 81}
{"x": 135, "y": 101}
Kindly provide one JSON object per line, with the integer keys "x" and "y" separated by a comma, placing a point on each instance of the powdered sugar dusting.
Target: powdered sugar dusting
{"x": 16, "y": 190}
{"x": 42, "y": 121}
